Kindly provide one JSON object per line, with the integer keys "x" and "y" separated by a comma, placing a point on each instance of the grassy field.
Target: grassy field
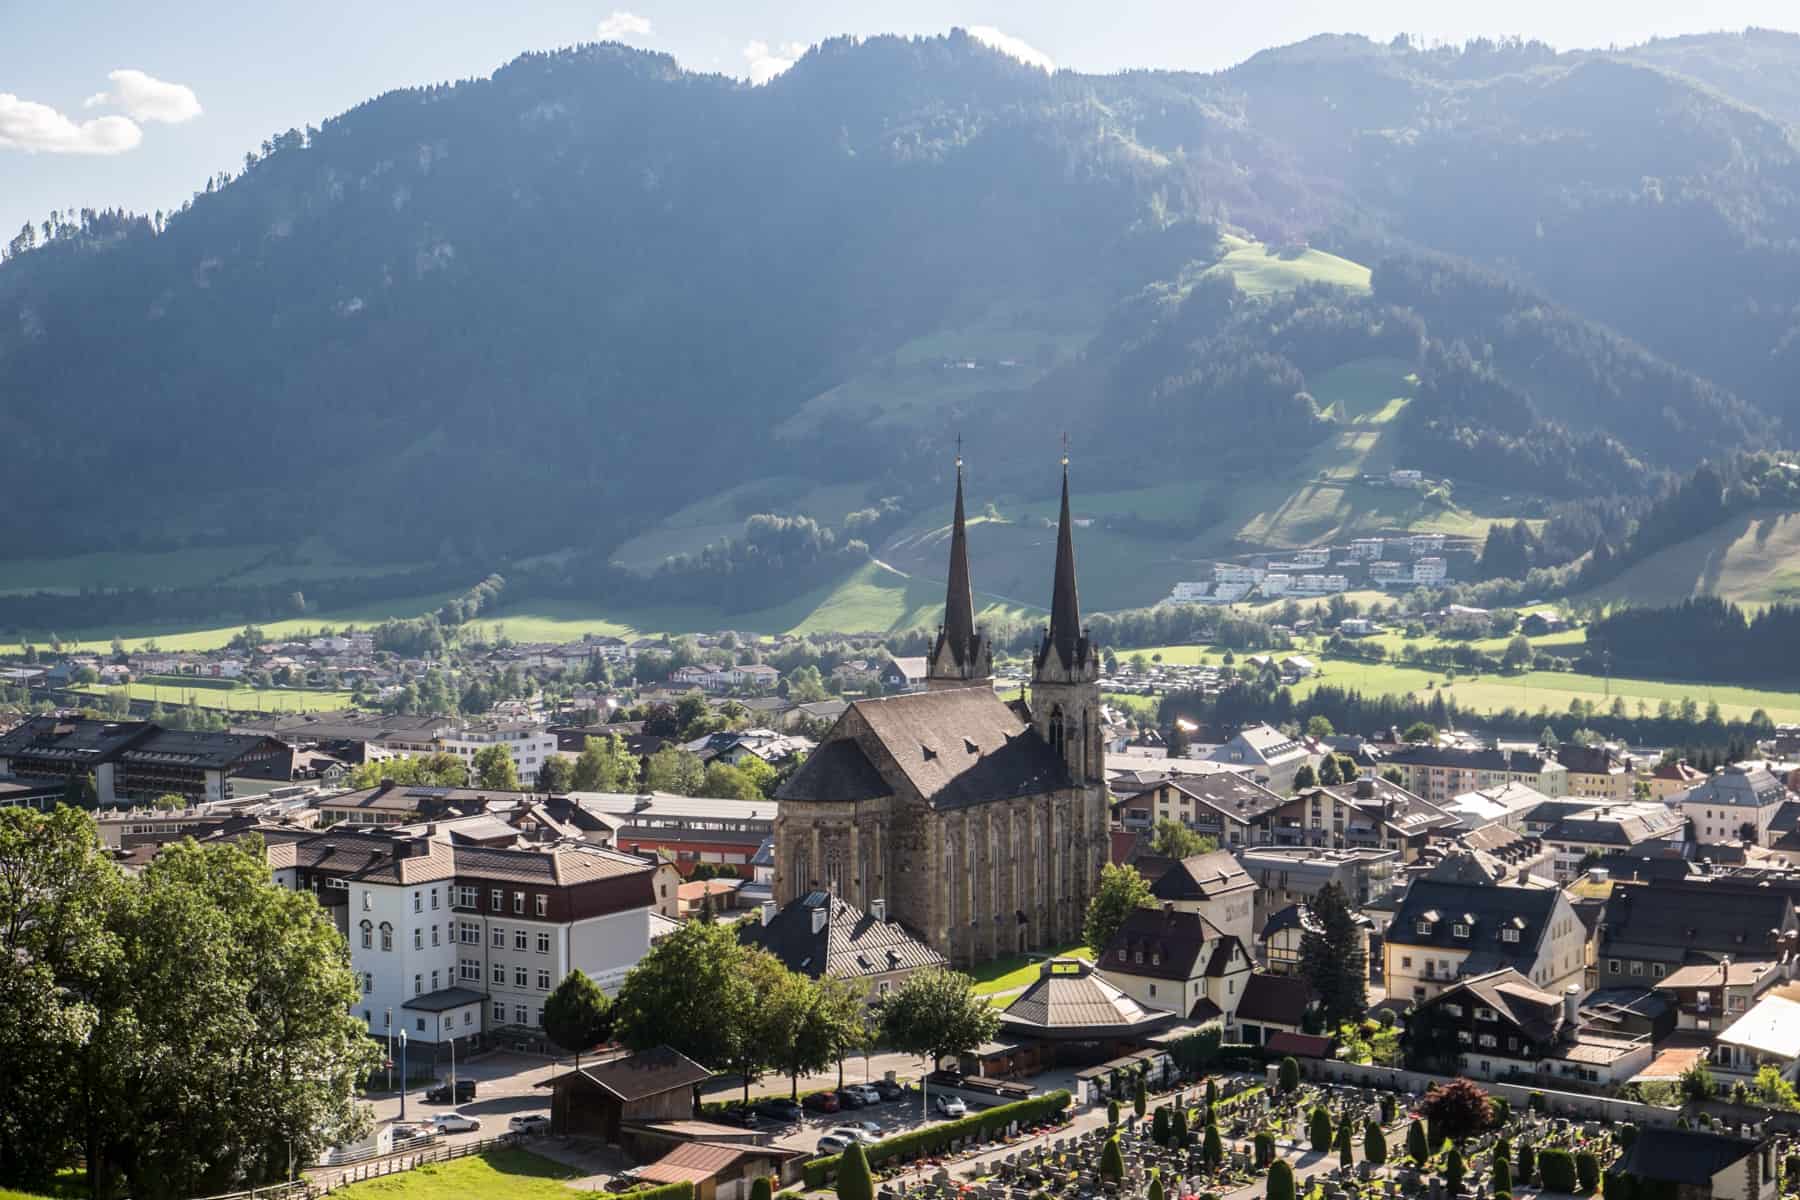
{"x": 722, "y": 515}
{"x": 1550, "y": 689}
{"x": 1259, "y": 270}
{"x": 136, "y": 637}
{"x": 496, "y": 1175}
{"x": 237, "y": 699}
{"x": 1016, "y": 970}
{"x": 117, "y": 569}
{"x": 1754, "y": 559}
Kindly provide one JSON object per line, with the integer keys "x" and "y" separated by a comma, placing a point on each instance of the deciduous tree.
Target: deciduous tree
{"x": 1121, "y": 890}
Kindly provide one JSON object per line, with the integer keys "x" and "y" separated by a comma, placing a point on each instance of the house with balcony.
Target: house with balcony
{"x": 1227, "y": 806}
{"x": 1499, "y": 1026}
{"x": 1446, "y": 932}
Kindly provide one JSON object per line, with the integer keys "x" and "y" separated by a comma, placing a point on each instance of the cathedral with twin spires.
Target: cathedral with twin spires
{"x": 982, "y": 823}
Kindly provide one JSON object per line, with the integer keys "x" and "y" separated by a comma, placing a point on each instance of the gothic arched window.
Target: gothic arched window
{"x": 1056, "y": 727}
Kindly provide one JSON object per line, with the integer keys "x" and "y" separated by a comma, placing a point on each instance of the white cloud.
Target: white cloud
{"x": 1018, "y": 48}
{"x": 766, "y": 63}
{"x": 32, "y": 127}
{"x": 147, "y": 98}
{"x": 623, "y": 25}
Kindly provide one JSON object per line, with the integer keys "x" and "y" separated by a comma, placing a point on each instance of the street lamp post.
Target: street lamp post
{"x": 390, "y": 1053}
{"x": 452, "y": 1063}
{"x": 403, "y": 1074}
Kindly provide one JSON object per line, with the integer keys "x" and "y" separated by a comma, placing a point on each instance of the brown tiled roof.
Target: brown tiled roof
{"x": 692, "y": 1162}
{"x": 1273, "y": 999}
{"x": 1201, "y": 877}
{"x": 957, "y": 747}
{"x": 648, "y": 1073}
{"x": 1160, "y": 944}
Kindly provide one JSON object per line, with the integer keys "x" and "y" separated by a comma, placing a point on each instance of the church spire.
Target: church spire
{"x": 959, "y": 602}
{"x": 962, "y": 656}
{"x": 1065, "y": 607}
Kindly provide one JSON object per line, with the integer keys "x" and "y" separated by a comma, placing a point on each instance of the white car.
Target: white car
{"x": 834, "y": 1143}
{"x": 859, "y": 1132}
{"x": 530, "y": 1123}
{"x": 455, "y": 1122}
{"x": 950, "y": 1106}
{"x": 864, "y": 1092}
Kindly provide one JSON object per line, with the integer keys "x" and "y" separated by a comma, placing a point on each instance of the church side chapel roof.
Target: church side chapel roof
{"x": 1073, "y": 1000}
{"x": 838, "y": 770}
{"x": 958, "y": 747}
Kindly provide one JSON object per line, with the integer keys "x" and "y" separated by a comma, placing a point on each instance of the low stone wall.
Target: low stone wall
{"x": 1561, "y": 1104}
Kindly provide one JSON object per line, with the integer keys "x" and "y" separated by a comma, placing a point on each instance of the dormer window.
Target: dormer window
{"x": 1155, "y": 959}
{"x": 1460, "y": 930}
{"x": 1424, "y": 927}
{"x": 1509, "y": 935}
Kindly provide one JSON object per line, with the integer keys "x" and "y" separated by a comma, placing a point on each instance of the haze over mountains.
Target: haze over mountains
{"x": 485, "y": 321}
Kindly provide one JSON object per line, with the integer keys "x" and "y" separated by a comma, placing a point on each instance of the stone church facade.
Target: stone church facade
{"x": 981, "y": 822}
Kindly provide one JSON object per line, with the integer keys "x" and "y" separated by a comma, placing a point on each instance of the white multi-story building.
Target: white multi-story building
{"x": 1425, "y": 543}
{"x": 1276, "y": 583}
{"x": 1386, "y": 571}
{"x": 451, "y": 941}
{"x": 1234, "y": 573}
{"x": 1429, "y": 570}
{"x": 530, "y": 744}
{"x": 1189, "y": 593}
{"x": 1316, "y": 556}
{"x": 1735, "y": 803}
{"x": 1367, "y": 549}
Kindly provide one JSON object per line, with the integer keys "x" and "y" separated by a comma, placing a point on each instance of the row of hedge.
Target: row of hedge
{"x": 667, "y": 1191}
{"x": 927, "y": 1138}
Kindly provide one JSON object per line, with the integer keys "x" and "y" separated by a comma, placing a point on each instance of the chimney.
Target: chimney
{"x": 1365, "y": 787}
{"x": 1571, "y": 1006}
{"x": 821, "y": 915}
{"x": 768, "y": 911}
{"x": 878, "y": 910}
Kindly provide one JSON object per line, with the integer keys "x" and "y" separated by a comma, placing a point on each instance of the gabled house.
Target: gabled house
{"x": 1178, "y": 961}
{"x": 1649, "y": 930}
{"x": 1227, "y": 806}
{"x": 1211, "y": 885}
{"x": 820, "y": 935}
{"x": 1767, "y": 1035}
{"x": 1498, "y": 1026}
{"x": 597, "y": 1098}
{"x": 1446, "y": 932}
{"x": 1271, "y": 1005}
{"x": 1736, "y": 803}
{"x": 1272, "y": 756}
{"x": 1368, "y": 812}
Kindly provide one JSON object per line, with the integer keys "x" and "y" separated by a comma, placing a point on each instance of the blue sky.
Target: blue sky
{"x": 134, "y": 105}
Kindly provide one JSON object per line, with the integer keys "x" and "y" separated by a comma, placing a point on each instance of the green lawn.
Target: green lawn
{"x": 1016, "y": 970}
{"x": 1259, "y": 270}
{"x": 496, "y": 1175}
{"x": 120, "y": 569}
{"x": 213, "y": 637}
{"x": 1749, "y": 559}
{"x": 1552, "y": 689}
{"x": 237, "y": 699}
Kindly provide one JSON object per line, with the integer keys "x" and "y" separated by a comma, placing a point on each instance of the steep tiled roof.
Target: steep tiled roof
{"x": 1161, "y": 944}
{"x": 1484, "y": 911}
{"x": 1071, "y": 998}
{"x": 1704, "y": 918}
{"x": 1688, "y": 1156}
{"x": 957, "y": 747}
{"x": 1201, "y": 877}
{"x": 1231, "y": 792}
{"x": 851, "y": 945}
{"x": 1273, "y": 999}
{"x": 838, "y": 770}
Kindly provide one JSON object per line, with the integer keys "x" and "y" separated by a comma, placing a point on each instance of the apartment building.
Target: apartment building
{"x": 452, "y": 941}
{"x": 1441, "y": 773}
{"x": 1445, "y": 932}
{"x": 1736, "y": 803}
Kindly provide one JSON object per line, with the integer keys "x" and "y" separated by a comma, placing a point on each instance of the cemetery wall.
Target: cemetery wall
{"x": 1562, "y": 1104}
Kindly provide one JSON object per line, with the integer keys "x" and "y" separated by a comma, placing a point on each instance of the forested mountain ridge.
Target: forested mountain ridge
{"x": 509, "y": 315}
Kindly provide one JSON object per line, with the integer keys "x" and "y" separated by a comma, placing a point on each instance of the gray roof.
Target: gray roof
{"x": 1201, "y": 877}
{"x": 1739, "y": 785}
{"x": 1071, "y": 999}
{"x": 957, "y": 747}
{"x": 1703, "y": 917}
{"x": 1689, "y": 1156}
{"x": 444, "y": 999}
{"x": 1231, "y": 792}
{"x": 851, "y": 945}
{"x": 836, "y": 771}
{"x": 1485, "y": 910}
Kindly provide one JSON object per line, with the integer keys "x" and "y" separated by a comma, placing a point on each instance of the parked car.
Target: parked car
{"x": 822, "y": 1102}
{"x": 834, "y": 1143}
{"x": 740, "y": 1115}
{"x": 781, "y": 1109}
{"x": 849, "y": 1098}
{"x": 404, "y": 1132}
{"x": 858, "y": 1132}
{"x": 441, "y": 1094}
{"x": 887, "y": 1089}
{"x": 530, "y": 1123}
{"x": 950, "y": 1106}
{"x": 455, "y": 1122}
{"x": 864, "y": 1094}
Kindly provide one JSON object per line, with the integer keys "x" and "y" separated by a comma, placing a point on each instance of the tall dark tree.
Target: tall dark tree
{"x": 577, "y": 1015}
{"x": 1334, "y": 957}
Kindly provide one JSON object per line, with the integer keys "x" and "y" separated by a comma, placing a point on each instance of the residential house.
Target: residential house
{"x": 1706, "y": 996}
{"x": 1272, "y": 756}
{"x": 1694, "y": 1164}
{"x": 1498, "y": 1025}
{"x": 1226, "y": 806}
{"x": 1213, "y": 886}
{"x": 1368, "y": 812}
{"x": 1544, "y": 621}
{"x": 1670, "y": 781}
{"x": 687, "y": 830}
{"x": 1738, "y": 802}
{"x": 1178, "y": 961}
{"x": 1767, "y": 1035}
{"x": 1288, "y": 875}
{"x": 1596, "y": 773}
{"x": 1508, "y": 804}
{"x": 818, "y": 935}
{"x": 1445, "y": 932}
{"x": 1441, "y": 773}
{"x": 1612, "y": 828}
{"x": 1648, "y": 930}
{"x": 905, "y": 674}
{"x": 1279, "y": 940}
{"x": 716, "y": 1168}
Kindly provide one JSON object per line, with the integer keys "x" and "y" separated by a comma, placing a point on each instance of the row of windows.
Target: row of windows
{"x": 467, "y": 932}
{"x": 418, "y": 1022}
{"x": 1461, "y": 930}
{"x": 465, "y": 897}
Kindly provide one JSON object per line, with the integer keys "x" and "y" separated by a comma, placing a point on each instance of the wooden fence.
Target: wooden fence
{"x": 326, "y": 1179}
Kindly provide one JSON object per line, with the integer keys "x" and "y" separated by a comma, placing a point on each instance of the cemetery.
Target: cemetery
{"x": 1238, "y": 1137}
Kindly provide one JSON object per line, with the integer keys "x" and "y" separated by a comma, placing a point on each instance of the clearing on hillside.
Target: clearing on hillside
{"x": 1751, "y": 559}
